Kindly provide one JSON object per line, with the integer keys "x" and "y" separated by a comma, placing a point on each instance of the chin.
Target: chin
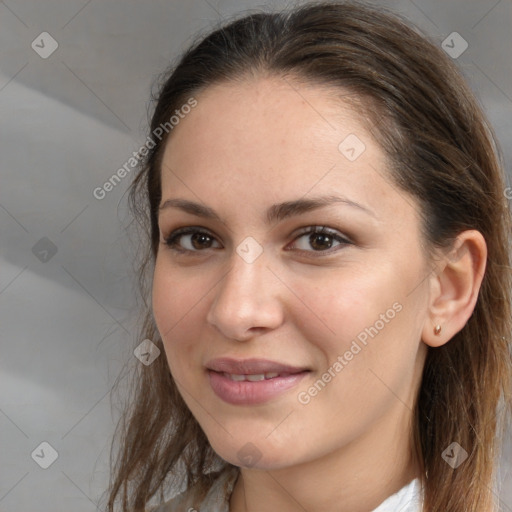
{"x": 252, "y": 455}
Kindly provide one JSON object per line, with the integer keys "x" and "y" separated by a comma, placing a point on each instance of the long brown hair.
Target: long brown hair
{"x": 442, "y": 151}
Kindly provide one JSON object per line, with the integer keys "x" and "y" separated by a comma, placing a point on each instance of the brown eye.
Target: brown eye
{"x": 198, "y": 241}
{"x": 321, "y": 239}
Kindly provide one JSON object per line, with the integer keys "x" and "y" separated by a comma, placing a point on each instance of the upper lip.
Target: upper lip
{"x": 251, "y": 366}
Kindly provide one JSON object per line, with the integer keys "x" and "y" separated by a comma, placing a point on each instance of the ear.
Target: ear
{"x": 454, "y": 288}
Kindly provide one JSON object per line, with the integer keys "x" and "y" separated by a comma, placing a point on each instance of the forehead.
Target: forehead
{"x": 267, "y": 106}
{"x": 278, "y": 138}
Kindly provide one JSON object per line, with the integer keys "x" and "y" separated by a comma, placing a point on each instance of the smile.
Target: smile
{"x": 241, "y": 389}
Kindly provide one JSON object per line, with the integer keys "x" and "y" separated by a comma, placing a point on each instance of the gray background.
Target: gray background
{"x": 68, "y": 122}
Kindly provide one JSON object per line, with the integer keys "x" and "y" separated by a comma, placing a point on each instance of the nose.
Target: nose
{"x": 247, "y": 300}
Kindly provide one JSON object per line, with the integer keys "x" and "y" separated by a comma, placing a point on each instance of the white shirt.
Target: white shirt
{"x": 407, "y": 499}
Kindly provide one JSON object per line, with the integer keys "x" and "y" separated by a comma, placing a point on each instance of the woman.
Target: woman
{"x": 329, "y": 254}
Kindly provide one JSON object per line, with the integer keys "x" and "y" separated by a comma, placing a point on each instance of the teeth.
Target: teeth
{"x": 252, "y": 378}
{"x": 236, "y": 377}
{"x": 256, "y": 377}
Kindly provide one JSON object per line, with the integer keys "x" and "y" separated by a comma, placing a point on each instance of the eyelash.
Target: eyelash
{"x": 172, "y": 239}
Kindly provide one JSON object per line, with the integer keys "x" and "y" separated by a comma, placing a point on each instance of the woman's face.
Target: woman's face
{"x": 347, "y": 306}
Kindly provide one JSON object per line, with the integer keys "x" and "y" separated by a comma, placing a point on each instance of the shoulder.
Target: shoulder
{"x": 216, "y": 499}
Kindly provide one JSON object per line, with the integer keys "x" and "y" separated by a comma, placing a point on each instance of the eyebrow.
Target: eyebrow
{"x": 275, "y": 213}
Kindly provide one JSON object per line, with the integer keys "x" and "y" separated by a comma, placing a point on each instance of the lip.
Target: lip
{"x": 251, "y": 366}
{"x": 251, "y": 393}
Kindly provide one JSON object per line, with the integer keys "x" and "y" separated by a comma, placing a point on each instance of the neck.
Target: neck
{"x": 355, "y": 478}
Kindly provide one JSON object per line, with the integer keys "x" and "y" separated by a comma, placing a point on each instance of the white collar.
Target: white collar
{"x": 408, "y": 499}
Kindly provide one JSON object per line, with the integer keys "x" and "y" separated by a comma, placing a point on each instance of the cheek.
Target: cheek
{"x": 363, "y": 335}
{"x": 164, "y": 300}
{"x": 175, "y": 306}
{"x": 339, "y": 306}
{"x": 377, "y": 324}
{"x": 367, "y": 319}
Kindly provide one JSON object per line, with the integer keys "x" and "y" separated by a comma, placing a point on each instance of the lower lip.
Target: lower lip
{"x": 249, "y": 393}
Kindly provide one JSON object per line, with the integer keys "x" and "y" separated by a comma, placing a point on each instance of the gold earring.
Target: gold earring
{"x": 437, "y": 330}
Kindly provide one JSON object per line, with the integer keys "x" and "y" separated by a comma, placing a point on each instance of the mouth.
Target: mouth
{"x": 244, "y": 390}
{"x": 252, "y": 381}
{"x": 252, "y": 367}
{"x": 254, "y": 377}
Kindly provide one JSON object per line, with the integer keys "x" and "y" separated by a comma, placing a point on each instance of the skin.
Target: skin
{"x": 244, "y": 147}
